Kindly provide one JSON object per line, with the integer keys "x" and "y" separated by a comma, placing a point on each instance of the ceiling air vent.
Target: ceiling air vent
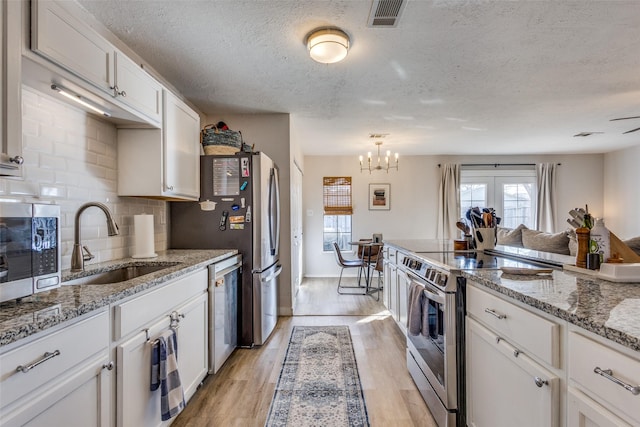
{"x": 385, "y": 13}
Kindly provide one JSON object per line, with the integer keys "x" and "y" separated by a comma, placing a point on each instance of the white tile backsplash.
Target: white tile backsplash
{"x": 70, "y": 159}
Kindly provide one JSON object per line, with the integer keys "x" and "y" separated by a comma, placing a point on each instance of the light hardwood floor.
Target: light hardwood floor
{"x": 241, "y": 392}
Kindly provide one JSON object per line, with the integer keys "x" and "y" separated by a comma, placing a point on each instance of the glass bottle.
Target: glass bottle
{"x": 599, "y": 240}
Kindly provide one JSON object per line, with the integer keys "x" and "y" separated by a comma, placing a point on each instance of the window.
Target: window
{"x": 512, "y": 193}
{"x": 336, "y": 195}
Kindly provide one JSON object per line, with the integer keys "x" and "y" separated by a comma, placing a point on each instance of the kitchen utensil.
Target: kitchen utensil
{"x": 461, "y": 226}
{"x": 573, "y": 223}
{"x": 526, "y": 271}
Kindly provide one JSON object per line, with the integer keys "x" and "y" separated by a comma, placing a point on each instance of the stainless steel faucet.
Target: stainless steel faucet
{"x": 80, "y": 253}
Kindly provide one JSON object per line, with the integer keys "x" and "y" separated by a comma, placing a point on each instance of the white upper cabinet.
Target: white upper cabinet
{"x": 10, "y": 90}
{"x": 60, "y": 35}
{"x": 162, "y": 163}
{"x": 181, "y": 129}
{"x": 136, "y": 88}
{"x": 64, "y": 39}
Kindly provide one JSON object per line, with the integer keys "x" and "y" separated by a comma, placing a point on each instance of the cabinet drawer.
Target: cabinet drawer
{"x": 74, "y": 344}
{"x": 536, "y": 335}
{"x": 134, "y": 314}
{"x": 585, "y": 355}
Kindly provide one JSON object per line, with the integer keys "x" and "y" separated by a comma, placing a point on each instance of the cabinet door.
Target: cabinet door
{"x": 506, "y": 388}
{"x": 10, "y": 89}
{"x": 584, "y": 412}
{"x": 137, "y": 404}
{"x": 80, "y": 398}
{"x": 181, "y": 137}
{"x": 393, "y": 290}
{"x": 403, "y": 294}
{"x": 60, "y": 36}
{"x": 137, "y": 89}
{"x": 193, "y": 344}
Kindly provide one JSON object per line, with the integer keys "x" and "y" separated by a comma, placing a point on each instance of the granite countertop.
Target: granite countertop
{"x": 47, "y": 309}
{"x": 608, "y": 309}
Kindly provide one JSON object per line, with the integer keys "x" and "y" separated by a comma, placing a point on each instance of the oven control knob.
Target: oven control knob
{"x": 443, "y": 280}
{"x": 436, "y": 277}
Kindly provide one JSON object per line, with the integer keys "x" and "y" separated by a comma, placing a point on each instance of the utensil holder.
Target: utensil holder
{"x": 485, "y": 238}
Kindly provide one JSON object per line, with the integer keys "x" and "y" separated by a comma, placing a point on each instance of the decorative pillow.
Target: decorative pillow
{"x": 546, "y": 242}
{"x": 511, "y": 236}
{"x": 573, "y": 241}
{"x": 634, "y": 244}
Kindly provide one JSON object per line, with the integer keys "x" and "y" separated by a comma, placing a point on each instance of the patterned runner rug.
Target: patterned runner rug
{"x": 319, "y": 383}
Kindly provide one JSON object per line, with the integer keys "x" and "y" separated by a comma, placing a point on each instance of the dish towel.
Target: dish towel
{"x": 414, "y": 317}
{"x": 164, "y": 374}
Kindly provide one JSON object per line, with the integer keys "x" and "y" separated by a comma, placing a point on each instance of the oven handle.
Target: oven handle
{"x": 429, "y": 291}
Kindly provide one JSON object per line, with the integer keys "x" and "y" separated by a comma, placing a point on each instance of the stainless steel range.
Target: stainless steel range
{"x": 435, "y": 350}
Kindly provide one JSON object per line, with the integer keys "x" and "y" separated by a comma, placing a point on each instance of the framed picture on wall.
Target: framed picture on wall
{"x": 379, "y": 197}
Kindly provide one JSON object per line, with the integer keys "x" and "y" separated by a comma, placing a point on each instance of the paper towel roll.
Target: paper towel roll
{"x": 143, "y": 237}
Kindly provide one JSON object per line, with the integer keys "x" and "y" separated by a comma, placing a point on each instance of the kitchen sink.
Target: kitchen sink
{"x": 118, "y": 275}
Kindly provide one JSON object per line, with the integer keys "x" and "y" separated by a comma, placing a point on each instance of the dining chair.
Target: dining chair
{"x": 349, "y": 263}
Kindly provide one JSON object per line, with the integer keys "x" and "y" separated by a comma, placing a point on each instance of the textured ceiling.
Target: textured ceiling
{"x": 454, "y": 77}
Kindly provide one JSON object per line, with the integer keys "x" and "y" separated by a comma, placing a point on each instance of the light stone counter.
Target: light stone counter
{"x": 20, "y": 319}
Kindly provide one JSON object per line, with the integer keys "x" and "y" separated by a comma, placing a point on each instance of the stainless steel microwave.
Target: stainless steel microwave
{"x": 29, "y": 249}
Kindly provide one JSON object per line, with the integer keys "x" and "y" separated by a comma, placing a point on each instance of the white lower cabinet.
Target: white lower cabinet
{"x": 61, "y": 379}
{"x": 605, "y": 383}
{"x": 584, "y": 412}
{"x": 506, "y": 388}
{"x": 137, "y": 405}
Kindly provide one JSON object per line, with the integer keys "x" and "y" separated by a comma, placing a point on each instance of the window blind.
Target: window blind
{"x": 336, "y": 195}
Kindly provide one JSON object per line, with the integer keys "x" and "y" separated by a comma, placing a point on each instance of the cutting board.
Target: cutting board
{"x": 623, "y": 251}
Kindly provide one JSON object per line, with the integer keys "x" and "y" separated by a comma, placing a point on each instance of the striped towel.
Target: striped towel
{"x": 164, "y": 374}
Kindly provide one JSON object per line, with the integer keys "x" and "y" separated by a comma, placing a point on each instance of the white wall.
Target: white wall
{"x": 414, "y": 189}
{"x": 270, "y": 134}
{"x": 622, "y": 192}
{"x": 70, "y": 159}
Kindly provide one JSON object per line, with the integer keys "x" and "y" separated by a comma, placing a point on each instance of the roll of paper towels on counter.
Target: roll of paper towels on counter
{"x": 143, "y": 237}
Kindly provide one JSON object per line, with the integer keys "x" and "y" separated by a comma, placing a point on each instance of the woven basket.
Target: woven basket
{"x": 216, "y": 141}
{"x": 211, "y": 150}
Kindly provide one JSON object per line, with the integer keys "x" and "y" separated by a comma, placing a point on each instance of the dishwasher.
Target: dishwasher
{"x": 224, "y": 279}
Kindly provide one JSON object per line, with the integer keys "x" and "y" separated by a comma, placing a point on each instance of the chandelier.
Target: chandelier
{"x": 380, "y": 165}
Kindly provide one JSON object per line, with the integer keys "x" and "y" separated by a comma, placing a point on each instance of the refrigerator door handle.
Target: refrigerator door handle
{"x": 273, "y": 275}
{"x": 274, "y": 220}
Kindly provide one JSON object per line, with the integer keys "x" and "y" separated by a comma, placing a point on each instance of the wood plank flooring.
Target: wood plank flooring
{"x": 241, "y": 392}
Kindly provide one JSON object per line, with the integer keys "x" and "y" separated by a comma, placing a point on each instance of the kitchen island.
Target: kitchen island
{"x": 563, "y": 348}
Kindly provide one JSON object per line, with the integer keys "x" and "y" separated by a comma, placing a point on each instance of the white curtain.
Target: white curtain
{"x": 546, "y": 203}
{"x": 448, "y": 201}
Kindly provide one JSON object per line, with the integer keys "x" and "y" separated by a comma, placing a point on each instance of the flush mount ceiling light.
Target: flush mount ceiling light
{"x": 328, "y": 45}
{"x": 379, "y": 166}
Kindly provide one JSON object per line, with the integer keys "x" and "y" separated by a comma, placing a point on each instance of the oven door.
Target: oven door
{"x": 434, "y": 348}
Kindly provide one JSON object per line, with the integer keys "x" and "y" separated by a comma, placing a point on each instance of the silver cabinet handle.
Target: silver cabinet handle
{"x": 44, "y": 358}
{"x": 108, "y": 366}
{"x": 18, "y": 160}
{"x": 117, "y": 91}
{"x": 494, "y": 313}
{"x": 540, "y": 382}
{"x": 608, "y": 374}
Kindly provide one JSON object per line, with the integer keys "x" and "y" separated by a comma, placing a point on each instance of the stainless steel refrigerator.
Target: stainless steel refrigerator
{"x": 245, "y": 190}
